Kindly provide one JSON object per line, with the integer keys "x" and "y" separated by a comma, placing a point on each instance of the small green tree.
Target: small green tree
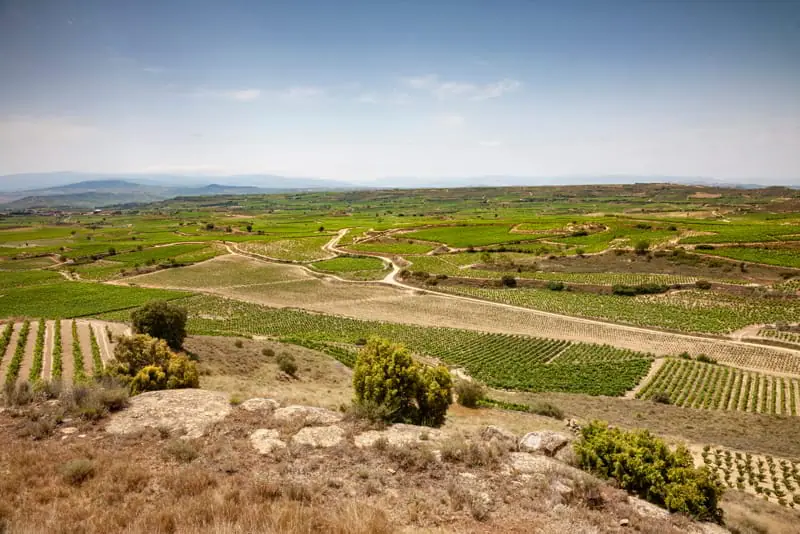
{"x": 161, "y": 320}
{"x": 144, "y": 363}
{"x": 385, "y": 375}
{"x": 386, "y": 379}
{"x": 642, "y": 247}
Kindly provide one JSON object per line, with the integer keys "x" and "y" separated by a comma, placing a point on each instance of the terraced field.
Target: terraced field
{"x": 66, "y": 350}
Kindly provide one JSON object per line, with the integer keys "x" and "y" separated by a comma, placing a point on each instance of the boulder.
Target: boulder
{"x": 500, "y": 435}
{"x": 186, "y": 411}
{"x": 319, "y": 436}
{"x": 544, "y": 442}
{"x": 265, "y": 441}
{"x": 310, "y": 414}
{"x": 524, "y": 463}
{"x": 399, "y": 435}
{"x": 260, "y": 405}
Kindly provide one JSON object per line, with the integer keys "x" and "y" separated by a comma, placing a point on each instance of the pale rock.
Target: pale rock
{"x": 265, "y": 441}
{"x": 495, "y": 433}
{"x": 177, "y": 410}
{"x": 260, "y": 405}
{"x": 319, "y": 436}
{"x": 69, "y": 430}
{"x": 544, "y": 442}
{"x": 399, "y": 435}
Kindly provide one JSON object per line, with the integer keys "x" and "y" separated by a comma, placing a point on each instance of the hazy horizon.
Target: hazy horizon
{"x": 360, "y": 92}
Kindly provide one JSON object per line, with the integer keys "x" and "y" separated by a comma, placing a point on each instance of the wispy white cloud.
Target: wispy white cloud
{"x": 238, "y": 95}
{"x": 443, "y": 89}
{"x": 396, "y": 98}
{"x": 450, "y": 120}
{"x": 301, "y": 92}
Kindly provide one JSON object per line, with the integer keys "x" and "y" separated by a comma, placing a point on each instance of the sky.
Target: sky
{"x": 368, "y": 90}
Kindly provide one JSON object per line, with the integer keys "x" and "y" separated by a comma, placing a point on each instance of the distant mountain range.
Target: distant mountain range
{"x": 82, "y": 190}
{"x": 59, "y": 190}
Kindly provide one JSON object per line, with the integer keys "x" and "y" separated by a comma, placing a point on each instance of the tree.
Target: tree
{"x": 161, "y": 320}
{"x": 387, "y": 378}
{"x": 249, "y": 228}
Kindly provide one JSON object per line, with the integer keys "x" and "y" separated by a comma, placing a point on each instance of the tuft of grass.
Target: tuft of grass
{"x": 76, "y": 472}
{"x": 181, "y": 450}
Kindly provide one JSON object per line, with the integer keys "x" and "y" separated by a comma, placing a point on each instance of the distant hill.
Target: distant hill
{"x": 106, "y": 192}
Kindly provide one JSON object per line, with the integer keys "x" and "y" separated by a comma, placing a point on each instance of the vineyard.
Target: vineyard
{"x": 501, "y": 360}
{"x": 780, "y": 335}
{"x": 692, "y": 384}
{"x": 686, "y": 311}
{"x": 764, "y": 476}
{"x": 363, "y": 268}
{"x": 302, "y": 249}
{"x": 42, "y": 350}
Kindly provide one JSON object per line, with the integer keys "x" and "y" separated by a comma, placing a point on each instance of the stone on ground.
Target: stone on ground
{"x": 187, "y": 411}
{"x": 399, "y": 435}
{"x": 319, "y": 436}
{"x": 500, "y": 435}
{"x": 544, "y": 442}
{"x": 265, "y": 440}
{"x": 260, "y": 405}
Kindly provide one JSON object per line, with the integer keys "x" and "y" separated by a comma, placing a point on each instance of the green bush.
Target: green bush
{"x": 661, "y": 397}
{"x": 161, "y": 320}
{"x": 76, "y": 472}
{"x": 146, "y": 364}
{"x": 642, "y": 247}
{"x": 703, "y": 284}
{"x": 547, "y": 410}
{"x": 555, "y": 286}
{"x": 469, "y": 393}
{"x": 385, "y": 375}
{"x": 644, "y": 465}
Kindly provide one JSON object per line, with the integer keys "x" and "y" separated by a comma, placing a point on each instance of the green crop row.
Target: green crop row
{"x": 19, "y": 353}
{"x": 79, "y": 374}
{"x": 6, "y": 339}
{"x": 58, "y": 364}
{"x": 38, "y": 352}
{"x": 97, "y": 359}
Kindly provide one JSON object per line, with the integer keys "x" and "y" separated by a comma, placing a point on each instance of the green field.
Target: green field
{"x": 770, "y": 256}
{"x": 362, "y": 268}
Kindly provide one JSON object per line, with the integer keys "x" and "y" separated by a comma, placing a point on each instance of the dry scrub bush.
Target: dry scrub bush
{"x": 473, "y": 454}
{"x": 469, "y": 393}
{"x": 181, "y": 450}
{"x": 76, "y": 472}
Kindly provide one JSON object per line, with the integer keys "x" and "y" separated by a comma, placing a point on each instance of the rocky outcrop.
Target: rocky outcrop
{"x": 319, "y": 436}
{"x": 544, "y": 442}
{"x": 265, "y": 441}
{"x": 500, "y": 435}
{"x": 186, "y": 412}
{"x": 260, "y": 405}
{"x": 399, "y": 435}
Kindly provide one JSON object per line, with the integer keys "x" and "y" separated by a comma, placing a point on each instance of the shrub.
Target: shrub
{"x": 642, "y": 247}
{"x": 703, "y": 284}
{"x": 76, "y": 472}
{"x": 546, "y": 409}
{"x": 238, "y": 344}
{"x": 161, "y": 320}
{"x": 287, "y": 364}
{"x": 642, "y": 289}
{"x": 704, "y": 247}
{"x": 386, "y": 378}
{"x": 661, "y": 397}
{"x": 181, "y": 450}
{"x": 146, "y": 364}
{"x": 644, "y": 465}
{"x": 469, "y": 393}
{"x": 705, "y": 359}
{"x": 508, "y": 281}
{"x": 555, "y": 286}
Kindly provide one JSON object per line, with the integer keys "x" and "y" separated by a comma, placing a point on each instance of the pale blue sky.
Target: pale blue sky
{"x": 364, "y": 90}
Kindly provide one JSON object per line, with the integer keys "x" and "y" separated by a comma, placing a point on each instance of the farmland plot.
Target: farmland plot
{"x": 56, "y": 350}
{"x": 715, "y": 387}
{"x": 774, "y": 479}
{"x": 303, "y": 249}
